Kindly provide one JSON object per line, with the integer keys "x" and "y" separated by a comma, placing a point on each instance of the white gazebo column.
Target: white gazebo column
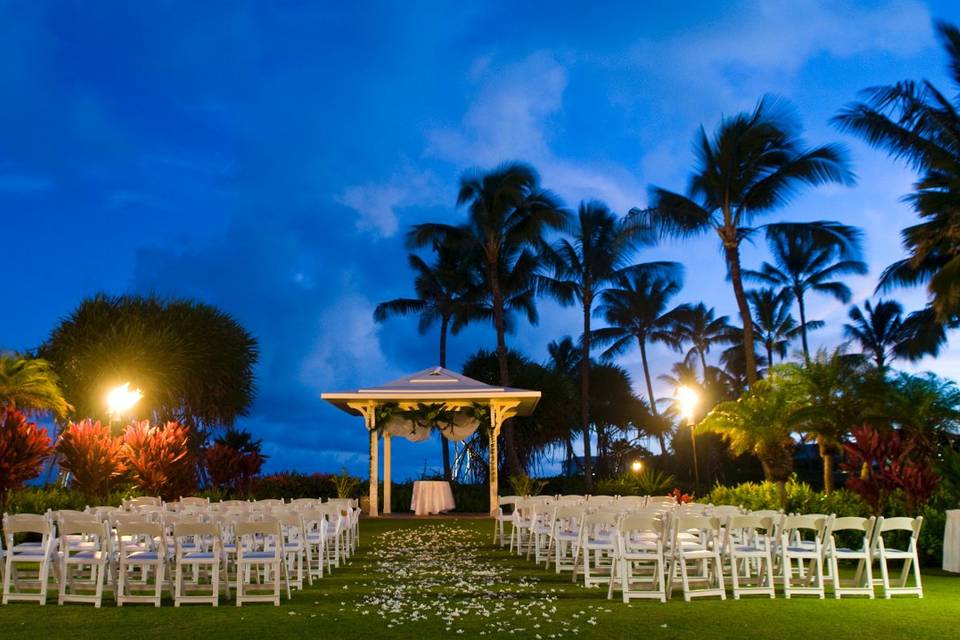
{"x": 370, "y": 420}
{"x": 386, "y": 473}
{"x": 496, "y": 420}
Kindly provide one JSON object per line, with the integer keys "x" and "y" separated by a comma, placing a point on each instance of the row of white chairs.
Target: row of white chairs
{"x": 647, "y": 546}
{"x": 138, "y": 550}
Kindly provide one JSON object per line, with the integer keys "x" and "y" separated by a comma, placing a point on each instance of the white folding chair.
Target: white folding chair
{"x": 31, "y": 558}
{"x": 595, "y": 548}
{"x": 695, "y": 540}
{"x": 294, "y": 547}
{"x": 908, "y": 555}
{"x": 85, "y": 550}
{"x": 315, "y": 538}
{"x": 860, "y": 529}
{"x": 749, "y": 549}
{"x": 639, "y": 562}
{"x": 142, "y": 548}
{"x": 502, "y": 518}
{"x": 565, "y": 536}
{"x": 197, "y": 548}
{"x": 800, "y": 542}
{"x": 259, "y": 546}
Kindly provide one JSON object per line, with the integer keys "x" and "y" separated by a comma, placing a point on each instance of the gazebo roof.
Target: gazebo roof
{"x": 435, "y": 384}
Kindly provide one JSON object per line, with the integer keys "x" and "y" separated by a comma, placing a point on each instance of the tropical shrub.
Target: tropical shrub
{"x": 648, "y": 482}
{"x": 345, "y": 484}
{"x": 292, "y": 484}
{"x": 883, "y": 462}
{"x": 54, "y": 498}
{"x": 233, "y": 460}
{"x": 159, "y": 459}
{"x": 23, "y": 449}
{"x": 801, "y": 498}
{"x": 92, "y": 455}
{"x": 524, "y": 485}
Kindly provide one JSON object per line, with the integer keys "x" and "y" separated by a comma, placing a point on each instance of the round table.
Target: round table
{"x": 431, "y": 496}
{"x": 951, "y": 542}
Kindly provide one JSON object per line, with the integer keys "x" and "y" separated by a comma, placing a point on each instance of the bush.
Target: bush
{"x": 39, "y": 499}
{"x": 292, "y": 484}
{"x": 23, "y": 449}
{"x": 801, "y": 498}
{"x": 648, "y": 482}
{"x": 159, "y": 459}
{"x": 93, "y": 456}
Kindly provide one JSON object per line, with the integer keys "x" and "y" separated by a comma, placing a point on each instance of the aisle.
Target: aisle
{"x": 449, "y": 573}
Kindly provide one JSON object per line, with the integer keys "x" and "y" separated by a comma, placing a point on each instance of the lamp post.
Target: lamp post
{"x": 636, "y": 466}
{"x": 121, "y": 399}
{"x": 687, "y": 398}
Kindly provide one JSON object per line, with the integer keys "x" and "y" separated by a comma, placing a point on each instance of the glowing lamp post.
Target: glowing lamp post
{"x": 687, "y": 399}
{"x": 121, "y": 399}
{"x": 637, "y": 466}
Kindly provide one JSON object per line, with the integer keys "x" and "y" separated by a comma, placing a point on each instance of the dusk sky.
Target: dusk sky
{"x": 268, "y": 157}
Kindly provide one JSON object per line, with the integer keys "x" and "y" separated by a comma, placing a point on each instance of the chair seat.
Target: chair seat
{"x": 143, "y": 556}
{"x": 259, "y": 555}
{"x": 199, "y": 555}
{"x": 86, "y": 556}
{"x": 314, "y": 537}
{"x": 568, "y": 535}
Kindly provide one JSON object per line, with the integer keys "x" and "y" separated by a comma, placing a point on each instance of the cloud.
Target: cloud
{"x": 379, "y": 204}
{"x": 517, "y": 114}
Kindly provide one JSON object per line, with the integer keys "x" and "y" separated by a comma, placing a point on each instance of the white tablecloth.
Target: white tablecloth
{"x": 951, "y": 542}
{"x": 431, "y": 496}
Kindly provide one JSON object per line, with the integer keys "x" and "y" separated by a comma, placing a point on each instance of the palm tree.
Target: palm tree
{"x": 916, "y": 122}
{"x": 810, "y": 256}
{"x": 31, "y": 385}
{"x": 583, "y": 266}
{"x": 446, "y": 291}
{"x": 758, "y": 423}
{"x": 754, "y": 163}
{"x": 565, "y": 361}
{"x": 636, "y": 309}
{"x": 696, "y": 325}
{"x": 508, "y": 214}
{"x": 831, "y": 401}
{"x": 773, "y": 325}
{"x": 879, "y": 330}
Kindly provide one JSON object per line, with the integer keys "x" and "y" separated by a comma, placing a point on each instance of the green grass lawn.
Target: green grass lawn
{"x": 427, "y": 578}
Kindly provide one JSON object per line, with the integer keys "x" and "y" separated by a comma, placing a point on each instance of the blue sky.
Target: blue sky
{"x": 267, "y": 157}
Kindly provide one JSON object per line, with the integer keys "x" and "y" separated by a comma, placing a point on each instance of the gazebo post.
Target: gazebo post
{"x": 370, "y": 418}
{"x": 496, "y": 420}
{"x": 386, "y": 473}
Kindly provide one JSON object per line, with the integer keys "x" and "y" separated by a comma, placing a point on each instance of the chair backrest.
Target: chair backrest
{"x": 902, "y": 524}
{"x": 194, "y": 501}
{"x": 853, "y": 523}
{"x": 726, "y": 511}
{"x": 84, "y": 524}
{"x": 796, "y": 525}
{"x": 142, "y": 500}
{"x": 640, "y": 523}
{"x": 139, "y": 528}
{"x": 26, "y": 523}
{"x": 566, "y": 513}
{"x": 600, "y": 520}
{"x": 736, "y": 523}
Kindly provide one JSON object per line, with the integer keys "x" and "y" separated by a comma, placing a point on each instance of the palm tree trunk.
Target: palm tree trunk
{"x": 781, "y": 484}
{"x": 732, "y": 252}
{"x": 514, "y": 466}
{"x": 803, "y": 326}
{"x": 703, "y": 364}
{"x": 827, "y": 466}
{"x": 646, "y": 376}
{"x": 769, "y": 355}
{"x": 444, "y": 443}
{"x": 585, "y": 395}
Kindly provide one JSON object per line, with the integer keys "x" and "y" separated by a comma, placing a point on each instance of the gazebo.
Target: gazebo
{"x": 435, "y": 386}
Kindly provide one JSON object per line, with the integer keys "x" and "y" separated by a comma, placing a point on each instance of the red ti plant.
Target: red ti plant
{"x": 680, "y": 496}
{"x": 233, "y": 460}
{"x": 93, "y": 455}
{"x": 159, "y": 459}
{"x": 881, "y": 462}
{"x": 23, "y": 449}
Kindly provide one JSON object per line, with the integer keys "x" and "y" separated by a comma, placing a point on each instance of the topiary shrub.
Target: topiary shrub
{"x": 23, "y": 449}
{"x": 93, "y": 456}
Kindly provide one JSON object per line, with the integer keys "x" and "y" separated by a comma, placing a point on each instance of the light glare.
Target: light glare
{"x": 122, "y": 398}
